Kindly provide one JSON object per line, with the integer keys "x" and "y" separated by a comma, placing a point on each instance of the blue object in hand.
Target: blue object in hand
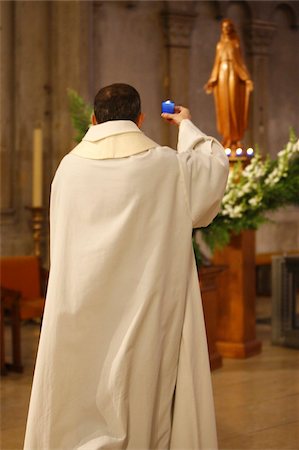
{"x": 168, "y": 107}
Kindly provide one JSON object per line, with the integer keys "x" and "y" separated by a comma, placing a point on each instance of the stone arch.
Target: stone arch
{"x": 240, "y": 13}
{"x": 291, "y": 13}
{"x": 223, "y": 8}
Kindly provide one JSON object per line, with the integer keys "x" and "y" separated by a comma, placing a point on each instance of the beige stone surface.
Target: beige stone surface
{"x": 281, "y": 233}
{"x": 47, "y": 47}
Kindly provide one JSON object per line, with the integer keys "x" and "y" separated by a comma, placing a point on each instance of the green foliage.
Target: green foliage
{"x": 80, "y": 113}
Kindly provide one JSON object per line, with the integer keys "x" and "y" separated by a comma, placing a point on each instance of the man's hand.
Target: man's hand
{"x": 180, "y": 114}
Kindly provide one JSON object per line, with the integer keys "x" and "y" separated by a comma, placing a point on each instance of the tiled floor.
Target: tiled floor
{"x": 257, "y": 399}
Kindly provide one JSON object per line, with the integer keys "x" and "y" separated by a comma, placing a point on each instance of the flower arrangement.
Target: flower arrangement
{"x": 263, "y": 186}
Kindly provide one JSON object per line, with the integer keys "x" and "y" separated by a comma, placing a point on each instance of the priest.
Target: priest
{"x": 122, "y": 361}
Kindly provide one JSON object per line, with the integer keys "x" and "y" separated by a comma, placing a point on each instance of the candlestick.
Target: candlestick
{"x": 168, "y": 107}
{"x": 37, "y": 169}
{"x": 37, "y": 220}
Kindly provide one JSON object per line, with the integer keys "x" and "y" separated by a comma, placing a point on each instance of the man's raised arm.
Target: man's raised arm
{"x": 204, "y": 166}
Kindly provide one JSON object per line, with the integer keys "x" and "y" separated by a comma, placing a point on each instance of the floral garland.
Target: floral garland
{"x": 263, "y": 186}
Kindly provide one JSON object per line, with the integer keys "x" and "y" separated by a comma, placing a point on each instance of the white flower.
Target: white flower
{"x": 245, "y": 189}
{"x": 255, "y": 201}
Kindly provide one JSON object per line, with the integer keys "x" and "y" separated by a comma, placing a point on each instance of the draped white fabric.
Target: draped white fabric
{"x": 122, "y": 360}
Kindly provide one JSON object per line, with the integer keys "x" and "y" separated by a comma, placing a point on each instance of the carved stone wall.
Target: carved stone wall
{"x": 283, "y": 77}
{"x": 282, "y": 233}
{"x": 178, "y": 21}
{"x": 7, "y": 74}
{"x": 128, "y": 48}
{"x": 43, "y": 51}
{"x": 164, "y": 48}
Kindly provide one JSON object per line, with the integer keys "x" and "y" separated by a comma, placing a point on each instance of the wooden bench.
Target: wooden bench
{"x": 21, "y": 299}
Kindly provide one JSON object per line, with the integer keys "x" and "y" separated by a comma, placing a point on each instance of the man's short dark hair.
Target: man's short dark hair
{"x": 117, "y": 102}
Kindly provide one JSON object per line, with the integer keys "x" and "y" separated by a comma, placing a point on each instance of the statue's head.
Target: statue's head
{"x": 228, "y": 28}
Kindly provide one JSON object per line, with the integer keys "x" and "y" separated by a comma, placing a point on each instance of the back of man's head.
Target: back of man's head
{"x": 117, "y": 102}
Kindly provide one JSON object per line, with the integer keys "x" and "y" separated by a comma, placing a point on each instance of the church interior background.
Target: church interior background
{"x": 166, "y": 50}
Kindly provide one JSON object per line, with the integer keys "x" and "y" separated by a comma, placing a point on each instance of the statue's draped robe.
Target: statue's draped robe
{"x": 231, "y": 92}
{"x": 122, "y": 360}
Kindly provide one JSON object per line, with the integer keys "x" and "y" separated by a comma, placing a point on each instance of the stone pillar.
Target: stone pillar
{"x": 45, "y": 48}
{"x": 32, "y": 68}
{"x": 71, "y": 53}
{"x": 25, "y": 75}
{"x": 258, "y": 39}
{"x": 7, "y": 110}
{"x": 178, "y": 26}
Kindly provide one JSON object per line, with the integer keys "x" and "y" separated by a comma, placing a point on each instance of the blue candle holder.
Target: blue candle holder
{"x": 168, "y": 107}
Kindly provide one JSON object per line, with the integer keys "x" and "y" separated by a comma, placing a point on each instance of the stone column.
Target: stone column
{"x": 7, "y": 110}
{"x": 71, "y": 50}
{"x": 32, "y": 68}
{"x": 25, "y": 68}
{"x": 178, "y": 25}
{"x": 258, "y": 39}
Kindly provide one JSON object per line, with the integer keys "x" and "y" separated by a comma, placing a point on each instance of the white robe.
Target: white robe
{"x": 122, "y": 360}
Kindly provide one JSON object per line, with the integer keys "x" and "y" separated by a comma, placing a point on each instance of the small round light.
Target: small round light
{"x": 239, "y": 151}
{"x": 250, "y": 151}
{"x": 228, "y": 151}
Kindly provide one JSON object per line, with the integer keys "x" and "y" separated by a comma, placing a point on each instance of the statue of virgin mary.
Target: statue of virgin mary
{"x": 231, "y": 84}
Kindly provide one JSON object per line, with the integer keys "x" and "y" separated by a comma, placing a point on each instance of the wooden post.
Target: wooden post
{"x": 236, "y": 308}
{"x": 2, "y": 337}
{"x": 208, "y": 277}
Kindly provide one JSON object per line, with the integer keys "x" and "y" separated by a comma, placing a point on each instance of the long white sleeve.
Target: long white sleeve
{"x": 205, "y": 168}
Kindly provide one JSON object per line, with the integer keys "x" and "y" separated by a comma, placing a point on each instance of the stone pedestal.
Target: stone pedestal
{"x": 236, "y": 313}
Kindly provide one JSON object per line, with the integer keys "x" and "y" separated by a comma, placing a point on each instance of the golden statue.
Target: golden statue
{"x": 231, "y": 84}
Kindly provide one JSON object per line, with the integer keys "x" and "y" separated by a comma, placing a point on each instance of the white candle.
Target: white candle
{"x": 37, "y": 168}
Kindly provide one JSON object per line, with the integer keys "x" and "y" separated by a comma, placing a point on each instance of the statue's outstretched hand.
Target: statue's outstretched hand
{"x": 249, "y": 85}
{"x": 209, "y": 86}
{"x": 180, "y": 113}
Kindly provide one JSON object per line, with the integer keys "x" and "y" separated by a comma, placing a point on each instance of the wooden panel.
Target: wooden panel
{"x": 208, "y": 277}
{"x": 236, "y": 319}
